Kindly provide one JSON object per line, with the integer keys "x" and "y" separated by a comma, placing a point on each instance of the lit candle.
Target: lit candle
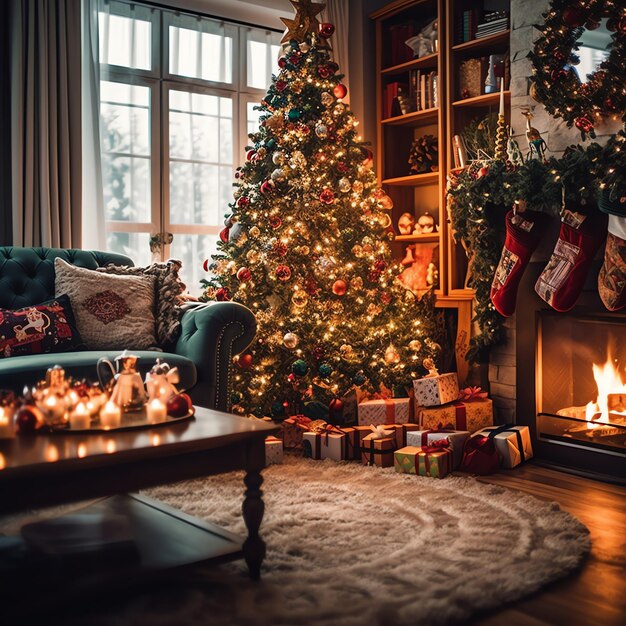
{"x": 110, "y": 415}
{"x": 156, "y": 411}
{"x": 80, "y": 418}
{"x": 6, "y": 423}
{"x": 54, "y": 408}
{"x": 502, "y": 96}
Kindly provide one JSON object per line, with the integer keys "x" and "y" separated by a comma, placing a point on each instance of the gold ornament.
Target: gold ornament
{"x": 290, "y": 340}
{"x": 254, "y": 232}
{"x": 415, "y": 345}
{"x": 356, "y": 283}
{"x": 391, "y": 355}
{"x": 305, "y": 20}
{"x": 299, "y": 299}
{"x": 253, "y": 256}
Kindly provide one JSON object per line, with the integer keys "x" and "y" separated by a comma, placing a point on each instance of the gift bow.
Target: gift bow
{"x": 301, "y": 419}
{"x": 317, "y": 426}
{"x": 440, "y": 445}
{"x": 472, "y": 394}
{"x": 379, "y": 432}
{"x": 480, "y": 442}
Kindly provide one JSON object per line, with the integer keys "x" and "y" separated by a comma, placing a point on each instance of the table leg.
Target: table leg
{"x": 254, "y": 507}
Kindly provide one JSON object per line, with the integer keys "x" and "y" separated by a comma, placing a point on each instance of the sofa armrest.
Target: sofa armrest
{"x": 211, "y": 335}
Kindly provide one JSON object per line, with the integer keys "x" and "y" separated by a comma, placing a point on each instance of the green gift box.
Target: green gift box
{"x": 405, "y": 459}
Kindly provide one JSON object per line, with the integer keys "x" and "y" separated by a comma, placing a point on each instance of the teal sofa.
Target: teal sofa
{"x": 211, "y": 334}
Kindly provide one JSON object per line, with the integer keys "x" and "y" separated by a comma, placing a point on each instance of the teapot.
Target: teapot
{"x": 127, "y": 386}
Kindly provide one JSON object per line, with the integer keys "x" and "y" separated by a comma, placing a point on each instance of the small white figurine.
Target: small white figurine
{"x": 161, "y": 381}
{"x": 429, "y": 364}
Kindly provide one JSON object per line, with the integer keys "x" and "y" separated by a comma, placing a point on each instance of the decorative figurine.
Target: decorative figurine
{"x": 406, "y": 224}
{"x": 429, "y": 364}
{"x": 425, "y": 42}
{"x": 127, "y": 387}
{"x": 513, "y": 151}
{"x": 425, "y": 225}
{"x": 537, "y": 146}
{"x": 161, "y": 381}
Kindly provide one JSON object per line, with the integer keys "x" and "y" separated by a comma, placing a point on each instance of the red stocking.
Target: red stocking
{"x": 563, "y": 278}
{"x": 612, "y": 278}
{"x": 523, "y": 233}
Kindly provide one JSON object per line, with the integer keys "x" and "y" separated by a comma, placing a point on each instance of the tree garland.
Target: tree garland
{"x": 557, "y": 84}
{"x": 480, "y": 196}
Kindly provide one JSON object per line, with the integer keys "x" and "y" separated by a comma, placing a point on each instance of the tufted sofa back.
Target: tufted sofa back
{"x": 27, "y": 274}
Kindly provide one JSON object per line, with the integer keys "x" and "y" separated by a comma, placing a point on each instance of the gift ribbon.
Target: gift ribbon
{"x": 299, "y": 420}
{"x": 508, "y": 428}
{"x": 440, "y": 429}
{"x": 460, "y": 415}
{"x": 441, "y": 445}
{"x": 372, "y": 449}
{"x": 472, "y": 394}
{"x": 380, "y": 432}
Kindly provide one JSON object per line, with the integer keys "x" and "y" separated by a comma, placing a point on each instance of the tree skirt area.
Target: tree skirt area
{"x": 355, "y": 545}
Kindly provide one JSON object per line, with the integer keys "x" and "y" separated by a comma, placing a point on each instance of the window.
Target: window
{"x": 177, "y": 97}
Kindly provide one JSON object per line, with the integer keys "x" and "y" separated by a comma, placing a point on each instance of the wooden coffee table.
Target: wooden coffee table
{"x": 46, "y": 470}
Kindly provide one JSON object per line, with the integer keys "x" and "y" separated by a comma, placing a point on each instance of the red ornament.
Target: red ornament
{"x": 311, "y": 286}
{"x": 326, "y": 30}
{"x": 243, "y": 202}
{"x": 340, "y": 287}
{"x": 327, "y": 196}
{"x": 250, "y": 155}
{"x": 332, "y": 66}
{"x": 323, "y": 71}
{"x": 267, "y": 187}
{"x": 281, "y": 84}
{"x": 342, "y": 167}
{"x": 373, "y": 276}
{"x": 283, "y": 273}
{"x": 222, "y": 294}
{"x": 385, "y": 298}
{"x": 28, "y": 419}
{"x": 245, "y": 361}
{"x": 294, "y": 58}
{"x": 574, "y": 17}
{"x": 244, "y": 274}
{"x": 380, "y": 265}
{"x": 483, "y": 171}
{"x": 282, "y": 62}
{"x": 583, "y": 124}
{"x": 275, "y": 222}
{"x": 179, "y": 405}
{"x": 224, "y": 234}
{"x": 205, "y": 265}
{"x": 340, "y": 91}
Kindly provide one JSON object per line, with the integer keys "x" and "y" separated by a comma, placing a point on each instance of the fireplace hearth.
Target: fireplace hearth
{"x": 571, "y": 382}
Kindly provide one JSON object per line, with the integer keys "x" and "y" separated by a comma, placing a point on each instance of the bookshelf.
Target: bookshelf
{"x": 448, "y": 110}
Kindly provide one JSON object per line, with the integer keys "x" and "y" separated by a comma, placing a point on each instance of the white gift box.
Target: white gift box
{"x": 273, "y": 451}
{"x": 325, "y": 445}
{"x": 436, "y": 390}
{"x": 457, "y": 440}
{"x": 512, "y": 443}
{"x": 381, "y": 412}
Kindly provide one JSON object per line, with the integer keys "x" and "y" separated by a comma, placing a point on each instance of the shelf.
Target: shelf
{"x": 414, "y": 180}
{"x": 486, "y": 44}
{"x": 417, "y": 118}
{"x": 428, "y": 61}
{"x": 434, "y": 238}
{"x": 487, "y": 99}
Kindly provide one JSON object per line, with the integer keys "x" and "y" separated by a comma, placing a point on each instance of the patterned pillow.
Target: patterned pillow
{"x": 43, "y": 328}
{"x": 169, "y": 289}
{"x": 112, "y": 312}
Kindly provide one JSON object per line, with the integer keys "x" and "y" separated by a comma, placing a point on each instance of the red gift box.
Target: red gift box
{"x": 480, "y": 456}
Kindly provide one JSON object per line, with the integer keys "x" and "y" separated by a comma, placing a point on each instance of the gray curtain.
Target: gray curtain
{"x": 6, "y": 227}
{"x": 46, "y": 122}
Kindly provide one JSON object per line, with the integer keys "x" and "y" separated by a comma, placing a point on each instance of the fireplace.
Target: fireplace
{"x": 571, "y": 382}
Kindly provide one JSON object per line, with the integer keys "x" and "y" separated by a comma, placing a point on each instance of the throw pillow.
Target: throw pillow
{"x": 46, "y": 327}
{"x": 112, "y": 312}
{"x": 169, "y": 289}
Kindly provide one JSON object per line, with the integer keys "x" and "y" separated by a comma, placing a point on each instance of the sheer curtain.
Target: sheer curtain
{"x": 93, "y": 231}
{"x": 46, "y": 119}
{"x": 337, "y": 12}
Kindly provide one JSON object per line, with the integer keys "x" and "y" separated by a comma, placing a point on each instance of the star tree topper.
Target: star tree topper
{"x": 305, "y": 20}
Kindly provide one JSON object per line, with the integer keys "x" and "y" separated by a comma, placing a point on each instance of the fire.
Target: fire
{"x": 608, "y": 381}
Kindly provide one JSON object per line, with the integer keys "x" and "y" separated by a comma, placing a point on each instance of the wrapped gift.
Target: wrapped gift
{"x": 353, "y": 443}
{"x": 470, "y": 415}
{"x": 457, "y": 439}
{"x": 378, "y": 447}
{"x": 434, "y": 390}
{"x": 401, "y": 432}
{"x": 385, "y": 411}
{"x": 434, "y": 461}
{"x": 330, "y": 443}
{"x": 294, "y": 427}
{"x": 512, "y": 443}
{"x": 480, "y": 456}
{"x": 273, "y": 451}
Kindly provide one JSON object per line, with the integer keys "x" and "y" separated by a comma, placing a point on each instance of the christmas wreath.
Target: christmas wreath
{"x": 556, "y": 82}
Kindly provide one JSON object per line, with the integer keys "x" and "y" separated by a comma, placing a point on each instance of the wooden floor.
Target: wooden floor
{"x": 596, "y": 594}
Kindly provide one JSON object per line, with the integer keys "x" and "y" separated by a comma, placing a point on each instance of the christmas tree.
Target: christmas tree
{"x": 306, "y": 246}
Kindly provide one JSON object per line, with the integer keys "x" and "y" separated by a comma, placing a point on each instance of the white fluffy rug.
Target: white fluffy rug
{"x": 354, "y": 545}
